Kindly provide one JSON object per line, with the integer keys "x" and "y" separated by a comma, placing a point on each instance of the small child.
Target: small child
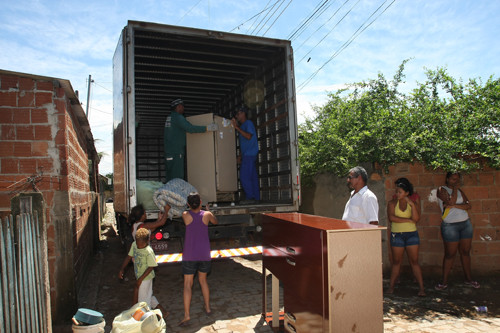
{"x": 138, "y": 217}
{"x": 144, "y": 264}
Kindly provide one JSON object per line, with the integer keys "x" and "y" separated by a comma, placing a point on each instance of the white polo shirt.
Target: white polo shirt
{"x": 362, "y": 207}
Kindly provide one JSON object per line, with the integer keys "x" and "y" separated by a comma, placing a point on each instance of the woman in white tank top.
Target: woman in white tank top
{"x": 456, "y": 229}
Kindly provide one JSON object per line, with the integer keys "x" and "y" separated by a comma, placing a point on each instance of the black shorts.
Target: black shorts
{"x": 190, "y": 267}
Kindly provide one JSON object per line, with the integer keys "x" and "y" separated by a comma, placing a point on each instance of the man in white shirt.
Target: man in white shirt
{"x": 363, "y": 204}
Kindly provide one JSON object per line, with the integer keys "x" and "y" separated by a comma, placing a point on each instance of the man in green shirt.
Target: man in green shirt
{"x": 174, "y": 139}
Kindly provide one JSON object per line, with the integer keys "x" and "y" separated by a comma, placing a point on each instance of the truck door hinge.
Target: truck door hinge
{"x": 129, "y": 140}
{"x": 131, "y": 192}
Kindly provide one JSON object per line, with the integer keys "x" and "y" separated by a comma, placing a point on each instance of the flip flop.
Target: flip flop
{"x": 208, "y": 313}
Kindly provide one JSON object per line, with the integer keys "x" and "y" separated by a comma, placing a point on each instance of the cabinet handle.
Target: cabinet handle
{"x": 291, "y": 317}
{"x": 290, "y": 261}
{"x": 290, "y": 327}
{"x": 290, "y": 249}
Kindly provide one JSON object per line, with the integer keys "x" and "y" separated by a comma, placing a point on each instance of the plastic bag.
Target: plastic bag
{"x": 145, "y": 191}
{"x": 139, "y": 318}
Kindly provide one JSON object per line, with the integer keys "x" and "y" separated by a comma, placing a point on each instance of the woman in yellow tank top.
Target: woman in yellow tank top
{"x": 404, "y": 213}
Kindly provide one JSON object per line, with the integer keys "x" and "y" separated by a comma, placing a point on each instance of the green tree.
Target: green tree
{"x": 441, "y": 123}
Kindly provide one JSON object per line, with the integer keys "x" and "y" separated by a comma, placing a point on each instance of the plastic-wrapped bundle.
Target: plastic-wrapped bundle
{"x": 174, "y": 193}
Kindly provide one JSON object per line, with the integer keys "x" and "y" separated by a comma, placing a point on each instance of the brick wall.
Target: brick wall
{"x": 42, "y": 140}
{"x": 483, "y": 190}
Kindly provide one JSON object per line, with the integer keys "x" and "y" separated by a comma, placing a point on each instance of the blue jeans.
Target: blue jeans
{"x": 454, "y": 232}
{"x": 404, "y": 239}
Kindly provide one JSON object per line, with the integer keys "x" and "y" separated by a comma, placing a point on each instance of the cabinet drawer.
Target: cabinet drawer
{"x": 302, "y": 314}
{"x": 283, "y": 266}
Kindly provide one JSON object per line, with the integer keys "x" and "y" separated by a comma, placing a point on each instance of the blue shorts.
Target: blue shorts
{"x": 190, "y": 267}
{"x": 404, "y": 239}
{"x": 454, "y": 232}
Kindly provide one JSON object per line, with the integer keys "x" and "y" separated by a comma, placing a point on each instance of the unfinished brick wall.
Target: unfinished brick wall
{"x": 483, "y": 190}
{"x": 44, "y": 148}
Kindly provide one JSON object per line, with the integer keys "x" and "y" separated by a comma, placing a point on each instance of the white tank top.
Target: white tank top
{"x": 453, "y": 215}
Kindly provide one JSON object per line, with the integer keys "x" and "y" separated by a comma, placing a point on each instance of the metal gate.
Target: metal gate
{"x": 23, "y": 275}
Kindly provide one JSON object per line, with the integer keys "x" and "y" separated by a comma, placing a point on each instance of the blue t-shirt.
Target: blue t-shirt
{"x": 249, "y": 147}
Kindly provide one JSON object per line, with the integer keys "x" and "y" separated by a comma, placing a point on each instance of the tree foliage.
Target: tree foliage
{"x": 442, "y": 123}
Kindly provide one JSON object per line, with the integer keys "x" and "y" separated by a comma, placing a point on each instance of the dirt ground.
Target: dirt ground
{"x": 104, "y": 293}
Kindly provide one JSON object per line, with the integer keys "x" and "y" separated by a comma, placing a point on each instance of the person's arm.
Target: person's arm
{"x": 139, "y": 282}
{"x": 391, "y": 213}
{"x": 465, "y": 205}
{"x": 372, "y": 209}
{"x": 444, "y": 196}
{"x": 244, "y": 134}
{"x": 143, "y": 276}
{"x": 122, "y": 269}
{"x": 415, "y": 214}
{"x": 211, "y": 217}
{"x": 187, "y": 126}
{"x": 162, "y": 218}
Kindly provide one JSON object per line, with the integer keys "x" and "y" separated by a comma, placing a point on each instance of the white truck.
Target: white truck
{"x": 213, "y": 72}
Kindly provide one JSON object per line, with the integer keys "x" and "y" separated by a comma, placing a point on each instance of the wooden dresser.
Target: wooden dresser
{"x": 330, "y": 270}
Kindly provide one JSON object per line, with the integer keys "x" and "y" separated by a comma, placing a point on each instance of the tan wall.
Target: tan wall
{"x": 328, "y": 195}
{"x": 41, "y": 140}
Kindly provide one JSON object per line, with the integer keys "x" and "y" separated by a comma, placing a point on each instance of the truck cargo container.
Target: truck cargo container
{"x": 213, "y": 72}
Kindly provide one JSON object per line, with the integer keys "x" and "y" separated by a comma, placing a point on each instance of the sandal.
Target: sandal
{"x": 440, "y": 286}
{"x": 473, "y": 284}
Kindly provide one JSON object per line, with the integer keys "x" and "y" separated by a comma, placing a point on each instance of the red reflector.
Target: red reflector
{"x": 158, "y": 236}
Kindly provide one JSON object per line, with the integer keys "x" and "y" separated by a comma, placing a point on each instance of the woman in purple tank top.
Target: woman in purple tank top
{"x": 196, "y": 252}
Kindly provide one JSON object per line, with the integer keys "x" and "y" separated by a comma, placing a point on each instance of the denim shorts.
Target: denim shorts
{"x": 404, "y": 239}
{"x": 454, "y": 232}
{"x": 190, "y": 267}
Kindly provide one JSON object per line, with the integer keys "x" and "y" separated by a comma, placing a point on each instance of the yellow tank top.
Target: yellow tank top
{"x": 406, "y": 226}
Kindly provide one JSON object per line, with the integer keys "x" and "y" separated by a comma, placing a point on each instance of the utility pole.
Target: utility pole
{"x": 88, "y": 96}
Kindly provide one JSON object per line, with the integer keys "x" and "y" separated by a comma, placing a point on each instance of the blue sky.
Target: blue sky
{"x": 72, "y": 39}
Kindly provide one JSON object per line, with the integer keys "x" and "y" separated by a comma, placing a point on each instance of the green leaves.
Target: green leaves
{"x": 441, "y": 123}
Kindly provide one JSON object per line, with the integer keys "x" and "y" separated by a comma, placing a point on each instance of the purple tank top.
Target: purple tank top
{"x": 196, "y": 242}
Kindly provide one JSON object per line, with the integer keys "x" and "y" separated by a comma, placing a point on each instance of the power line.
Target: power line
{"x": 331, "y": 30}
{"x": 238, "y": 27}
{"x": 103, "y": 87}
{"x": 265, "y": 16}
{"x": 189, "y": 11}
{"x": 304, "y": 22}
{"x": 276, "y": 17}
{"x": 359, "y": 31}
{"x": 329, "y": 19}
{"x": 259, "y": 15}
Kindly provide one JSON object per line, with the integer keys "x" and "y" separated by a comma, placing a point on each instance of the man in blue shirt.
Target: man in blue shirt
{"x": 174, "y": 139}
{"x": 249, "y": 149}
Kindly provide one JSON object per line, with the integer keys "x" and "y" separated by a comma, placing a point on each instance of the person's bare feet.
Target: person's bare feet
{"x": 390, "y": 290}
{"x": 184, "y": 322}
{"x": 422, "y": 293}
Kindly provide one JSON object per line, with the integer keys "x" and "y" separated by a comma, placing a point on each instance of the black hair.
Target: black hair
{"x": 136, "y": 214}
{"x": 404, "y": 184}
{"x": 194, "y": 200}
{"x": 451, "y": 173}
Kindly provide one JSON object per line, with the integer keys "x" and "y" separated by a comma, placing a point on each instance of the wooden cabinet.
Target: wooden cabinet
{"x": 330, "y": 270}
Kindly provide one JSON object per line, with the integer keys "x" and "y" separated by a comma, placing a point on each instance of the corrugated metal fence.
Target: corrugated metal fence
{"x": 23, "y": 279}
